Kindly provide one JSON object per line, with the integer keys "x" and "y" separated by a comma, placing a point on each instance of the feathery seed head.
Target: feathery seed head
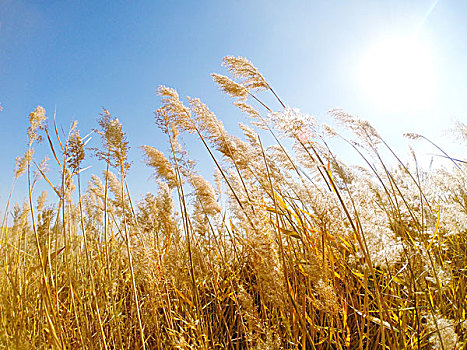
{"x": 207, "y": 121}
{"x": 246, "y": 108}
{"x": 96, "y": 186}
{"x": 412, "y": 135}
{"x": 41, "y": 200}
{"x": 461, "y": 130}
{"x": 328, "y": 130}
{"x": 164, "y": 200}
{"x": 115, "y": 141}
{"x": 36, "y": 121}
{"x": 361, "y": 128}
{"x": 442, "y": 331}
{"x": 231, "y": 87}
{"x": 167, "y": 93}
{"x": 205, "y": 195}
{"x": 115, "y": 186}
{"x": 250, "y": 134}
{"x": 69, "y": 186}
{"x": 329, "y": 301}
{"x": 75, "y": 149}
{"x": 294, "y": 123}
{"x": 157, "y": 160}
{"x": 22, "y": 162}
{"x": 173, "y": 114}
{"x": 242, "y": 69}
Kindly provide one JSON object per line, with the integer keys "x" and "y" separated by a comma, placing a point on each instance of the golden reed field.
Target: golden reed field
{"x": 288, "y": 248}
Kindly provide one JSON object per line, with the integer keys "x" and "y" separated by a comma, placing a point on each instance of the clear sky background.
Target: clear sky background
{"x": 77, "y": 56}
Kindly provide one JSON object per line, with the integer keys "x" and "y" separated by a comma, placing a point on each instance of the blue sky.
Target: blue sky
{"x": 77, "y": 56}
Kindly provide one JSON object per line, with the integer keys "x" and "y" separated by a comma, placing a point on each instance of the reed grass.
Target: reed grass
{"x": 291, "y": 249}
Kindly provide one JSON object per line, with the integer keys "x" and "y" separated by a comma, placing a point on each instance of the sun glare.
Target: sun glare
{"x": 398, "y": 74}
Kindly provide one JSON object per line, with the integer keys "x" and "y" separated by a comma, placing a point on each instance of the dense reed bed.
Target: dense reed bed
{"x": 292, "y": 248}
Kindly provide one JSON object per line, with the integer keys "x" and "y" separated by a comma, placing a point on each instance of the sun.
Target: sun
{"x": 398, "y": 74}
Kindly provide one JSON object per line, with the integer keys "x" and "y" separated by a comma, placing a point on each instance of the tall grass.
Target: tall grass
{"x": 291, "y": 249}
